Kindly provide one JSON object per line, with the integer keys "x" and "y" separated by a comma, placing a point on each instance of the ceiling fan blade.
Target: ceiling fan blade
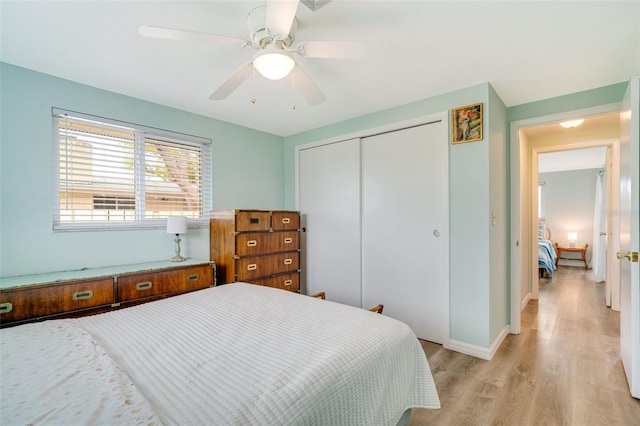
{"x": 342, "y": 49}
{"x": 183, "y": 35}
{"x": 302, "y": 83}
{"x": 280, "y": 16}
{"x": 232, "y": 83}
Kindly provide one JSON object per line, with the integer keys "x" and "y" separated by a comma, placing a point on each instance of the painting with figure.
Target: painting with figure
{"x": 466, "y": 124}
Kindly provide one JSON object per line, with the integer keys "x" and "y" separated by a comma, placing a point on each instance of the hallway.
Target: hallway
{"x": 563, "y": 369}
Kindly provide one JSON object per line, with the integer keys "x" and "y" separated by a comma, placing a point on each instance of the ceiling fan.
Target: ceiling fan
{"x": 272, "y": 33}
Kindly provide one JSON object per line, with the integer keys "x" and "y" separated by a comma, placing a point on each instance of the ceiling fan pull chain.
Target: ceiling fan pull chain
{"x": 253, "y": 85}
{"x": 293, "y": 91}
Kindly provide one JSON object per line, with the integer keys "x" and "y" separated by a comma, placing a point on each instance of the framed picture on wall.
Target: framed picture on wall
{"x": 466, "y": 124}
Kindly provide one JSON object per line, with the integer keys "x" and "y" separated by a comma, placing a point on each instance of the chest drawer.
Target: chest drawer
{"x": 285, "y": 220}
{"x": 40, "y": 301}
{"x": 289, "y": 282}
{"x": 140, "y": 286}
{"x": 261, "y": 266}
{"x": 253, "y": 220}
{"x": 266, "y": 242}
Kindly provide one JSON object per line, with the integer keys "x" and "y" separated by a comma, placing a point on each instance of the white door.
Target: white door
{"x": 405, "y": 235}
{"x": 629, "y": 236}
{"x": 329, "y": 204}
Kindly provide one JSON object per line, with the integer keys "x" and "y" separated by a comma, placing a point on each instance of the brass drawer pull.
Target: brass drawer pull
{"x": 5, "y": 308}
{"x": 288, "y": 240}
{"x": 286, "y": 220}
{"x": 252, "y": 243}
{"x": 83, "y": 295}
{"x": 146, "y": 285}
{"x": 254, "y": 220}
{"x": 252, "y": 267}
{"x": 288, "y": 261}
{"x": 287, "y": 283}
{"x": 194, "y": 277}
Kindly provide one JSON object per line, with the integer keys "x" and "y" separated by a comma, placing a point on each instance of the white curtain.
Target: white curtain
{"x": 598, "y": 254}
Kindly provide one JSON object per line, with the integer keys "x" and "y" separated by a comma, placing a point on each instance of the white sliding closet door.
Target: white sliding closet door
{"x": 405, "y": 227}
{"x": 329, "y": 203}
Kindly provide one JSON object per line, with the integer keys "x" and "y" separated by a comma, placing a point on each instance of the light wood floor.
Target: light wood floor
{"x": 563, "y": 369}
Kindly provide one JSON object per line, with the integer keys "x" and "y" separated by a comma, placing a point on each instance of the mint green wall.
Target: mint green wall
{"x": 574, "y": 101}
{"x": 247, "y": 173}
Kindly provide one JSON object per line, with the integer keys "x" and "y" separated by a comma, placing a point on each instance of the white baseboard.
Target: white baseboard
{"x": 478, "y": 351}
{"x": 498, "y": 340}
{"x": 525, "y": 301}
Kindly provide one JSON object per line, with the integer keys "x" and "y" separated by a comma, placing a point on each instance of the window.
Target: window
{"x": 118, "y": 175}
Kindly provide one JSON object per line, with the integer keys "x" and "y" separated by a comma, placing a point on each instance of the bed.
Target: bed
{"x": 233, "y": 354}
{"x": 546, "y": 252}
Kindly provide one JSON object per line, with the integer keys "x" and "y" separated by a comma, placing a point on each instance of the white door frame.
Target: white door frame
{"x": 523, "y": 227}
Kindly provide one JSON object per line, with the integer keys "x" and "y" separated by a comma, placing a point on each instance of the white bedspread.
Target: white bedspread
{"x": 54, "y": 373}
{"x": 245, "y": 354}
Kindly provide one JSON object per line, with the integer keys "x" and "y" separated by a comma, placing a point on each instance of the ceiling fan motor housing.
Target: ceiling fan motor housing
{"x": 260, "y": 34}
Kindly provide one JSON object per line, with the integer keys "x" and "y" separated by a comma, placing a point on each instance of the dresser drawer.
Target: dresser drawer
{"x": 248, "y": 268}
{"x": 139, "y": 286}
{"x": 285, "y": 220}
{"x": 289, "y": 282}
{"x": 266, "y": 242}
{"x": 253, "y": 220}
{"x": 41, "y": 301}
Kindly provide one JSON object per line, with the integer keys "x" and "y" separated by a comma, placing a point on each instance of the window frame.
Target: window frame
{"x": 142, "y": 134}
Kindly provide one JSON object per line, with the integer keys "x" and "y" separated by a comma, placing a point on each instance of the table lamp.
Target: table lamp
{"x": 572, "y": 237}
{"x": 177, "y": 225}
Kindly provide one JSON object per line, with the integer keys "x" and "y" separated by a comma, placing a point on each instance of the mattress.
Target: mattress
{"x": 234, "y": 354}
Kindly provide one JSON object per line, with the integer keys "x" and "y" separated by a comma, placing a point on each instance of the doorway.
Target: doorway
{"x": 524, "y": 178}
{"x": 570, "y": 184}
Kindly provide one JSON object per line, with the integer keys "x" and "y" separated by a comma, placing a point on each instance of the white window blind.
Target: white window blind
{"x": 114, "y": 175}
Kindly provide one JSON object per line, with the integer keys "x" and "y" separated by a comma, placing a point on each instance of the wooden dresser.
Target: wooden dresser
{"x": 31, "y": 298}
{"x": 256, "y": 246}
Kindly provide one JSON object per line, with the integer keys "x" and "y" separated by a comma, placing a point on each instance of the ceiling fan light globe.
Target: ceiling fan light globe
{"x": 274, "y": 66}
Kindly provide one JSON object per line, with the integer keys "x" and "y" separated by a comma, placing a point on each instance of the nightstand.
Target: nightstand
{"x": 581, "y": 250}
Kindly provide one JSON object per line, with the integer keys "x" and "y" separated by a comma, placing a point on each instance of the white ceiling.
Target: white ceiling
{"x": 527, "y": 50}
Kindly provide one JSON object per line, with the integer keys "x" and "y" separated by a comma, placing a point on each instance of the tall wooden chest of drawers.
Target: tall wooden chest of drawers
{"x": 256, "y": 246}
